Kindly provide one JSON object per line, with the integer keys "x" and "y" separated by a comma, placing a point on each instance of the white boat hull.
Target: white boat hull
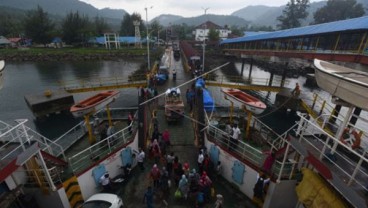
{"x": 347, "y": 84}
{"x": 250, "y": 106}
{"x": 95, "y": 108}
{"x": 2, "y": 66}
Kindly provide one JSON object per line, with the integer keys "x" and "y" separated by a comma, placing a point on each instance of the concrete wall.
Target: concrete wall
{"x": 86, "y": 181}
{"x": 285, "y": 189}
{"x": 227, "y": 161}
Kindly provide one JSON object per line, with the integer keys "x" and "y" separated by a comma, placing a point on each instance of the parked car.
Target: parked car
{"x": 103, "y": 201}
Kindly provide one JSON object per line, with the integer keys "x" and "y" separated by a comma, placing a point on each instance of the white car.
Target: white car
{"x": 103, "y": 201}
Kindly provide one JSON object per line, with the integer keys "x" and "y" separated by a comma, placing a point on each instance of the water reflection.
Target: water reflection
{"x": 34, "y": 78}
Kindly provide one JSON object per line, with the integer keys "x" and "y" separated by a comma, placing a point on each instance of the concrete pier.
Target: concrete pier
{"x": 49, "y": 102}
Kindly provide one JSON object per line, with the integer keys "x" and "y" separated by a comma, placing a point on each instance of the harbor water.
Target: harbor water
{"x": 22, "y": 79}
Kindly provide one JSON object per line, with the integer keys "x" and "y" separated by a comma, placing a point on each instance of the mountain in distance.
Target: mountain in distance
{"x": 166, "y": 19}
{"x": 267, "y": 16}
{"x": 63, "y": 7}
{"x": 221, "y": 20}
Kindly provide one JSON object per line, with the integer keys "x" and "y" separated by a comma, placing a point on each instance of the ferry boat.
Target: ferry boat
{"x": 241, "y": 99}
{"x": 94, "y": 103}
{"x": 54, "y": 174}
{"x": 343, "y": 82}
{"x": 2, "y": 66}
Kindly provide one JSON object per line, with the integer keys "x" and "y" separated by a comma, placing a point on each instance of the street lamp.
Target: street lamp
{"x": 204, "y": 36}
{"x": 147, "y": 39}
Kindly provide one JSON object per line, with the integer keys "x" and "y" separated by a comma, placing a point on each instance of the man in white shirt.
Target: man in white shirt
{"x": 105, "y": 182}
{"x": 200, "y": 161}
{"x": 235, "y": 137}
{"x": 140, "y": 158}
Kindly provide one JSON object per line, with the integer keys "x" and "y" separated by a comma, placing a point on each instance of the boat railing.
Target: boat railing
{"x": 244, "y": 150}
{"x": 102, "y": 149}
{"x": 24, "y": 136}
{"x": 78, "y": 131}
{"x": 40, "y": 179}
{"x": 349, "y": 164}
{"x": 276, "y": 82}
{"x": 45, "y": 144}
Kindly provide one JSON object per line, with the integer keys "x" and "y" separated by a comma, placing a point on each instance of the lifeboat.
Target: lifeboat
{"x": 241, "y": 99}
{"x": 94, "y": 103}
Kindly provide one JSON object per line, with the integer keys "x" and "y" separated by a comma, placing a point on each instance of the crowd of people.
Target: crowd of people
{"x": 191, "y": 182}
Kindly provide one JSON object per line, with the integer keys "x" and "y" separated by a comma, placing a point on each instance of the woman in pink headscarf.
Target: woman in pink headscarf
{"x": 155, "y": 175}
{"x": 156, "y": 151}
{"x": 166, "y": 137}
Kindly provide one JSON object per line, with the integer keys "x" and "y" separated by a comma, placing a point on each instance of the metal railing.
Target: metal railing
{"x": 103, "y": 148}
{"x": 23, "y": 136}
{"x": 346, "y": 163}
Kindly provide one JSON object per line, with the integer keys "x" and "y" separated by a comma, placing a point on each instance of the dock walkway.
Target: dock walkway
{"x": 184, "y": 146}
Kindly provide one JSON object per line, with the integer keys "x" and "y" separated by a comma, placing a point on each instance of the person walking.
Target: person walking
{"x": 218, "y": 169}
{"x": 184, "y": 186}
{"x": 155, "y": 175}
{"x": 106, "y": 183}
{"x": 200, "y": 161}
{"x": 148, "y": 197}
{"x": 258, "y": 189}
{"x": 166, "y": 137}
{"x": 296, "y": 90}
{"x": 140, "y": 158}
{"x": 235, "y": 137}
{"x": 130, "y": 122}
{"x": 169, "y": 163}
{"x": 270, "y": 159}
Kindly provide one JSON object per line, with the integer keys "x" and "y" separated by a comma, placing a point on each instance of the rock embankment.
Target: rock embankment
{"x": 67, "y": 56}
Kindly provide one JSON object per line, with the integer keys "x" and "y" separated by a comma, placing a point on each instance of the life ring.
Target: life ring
{"x": 351, "y": 138}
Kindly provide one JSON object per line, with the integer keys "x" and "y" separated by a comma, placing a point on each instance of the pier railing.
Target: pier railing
{"x": 104, "y": 83}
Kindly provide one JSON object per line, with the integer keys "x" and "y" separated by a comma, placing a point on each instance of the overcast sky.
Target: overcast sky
{"x": 185, "y": 8}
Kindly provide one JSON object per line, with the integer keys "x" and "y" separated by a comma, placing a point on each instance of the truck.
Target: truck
{"x": 174, "y": 105}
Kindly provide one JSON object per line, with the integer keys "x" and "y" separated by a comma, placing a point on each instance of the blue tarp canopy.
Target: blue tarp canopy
{"x": 125, "y": 39}
{"x": 208, "y": 103}
{"x": 360, "y": 23}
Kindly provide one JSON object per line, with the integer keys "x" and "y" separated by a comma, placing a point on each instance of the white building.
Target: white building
{"x": 202, "y": 30}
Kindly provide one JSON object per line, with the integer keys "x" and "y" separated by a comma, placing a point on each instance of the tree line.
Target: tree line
{"x": 334, "y": 10}
{"x": 76, "y": 28}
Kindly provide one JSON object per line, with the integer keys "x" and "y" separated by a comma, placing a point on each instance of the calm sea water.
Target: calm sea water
{"x": 22, "y": 79}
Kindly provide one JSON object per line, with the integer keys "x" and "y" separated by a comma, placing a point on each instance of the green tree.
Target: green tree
{"x": 10, "y": 26}
{"x": 127, "y": 27}
{"x": 101, "y": 26}
{"x": 155, "y": 29}
{"x": 38, "y": 26}
{"x": 294, "y": 11}
{"x": 213, "y": 35}
{"x": 76, "y": 29}
{"x": 338, "y": 10}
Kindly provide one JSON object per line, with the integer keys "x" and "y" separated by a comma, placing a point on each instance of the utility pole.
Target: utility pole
{"x": 204, "y": 36}
{"x": 147, "y": 39}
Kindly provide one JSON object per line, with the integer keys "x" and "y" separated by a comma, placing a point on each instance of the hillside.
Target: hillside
{"x": 62, "y": 7}
{"x": 167, "y": 19}
{"x": 267, "y": 16}
{"x": 220, "y": 20}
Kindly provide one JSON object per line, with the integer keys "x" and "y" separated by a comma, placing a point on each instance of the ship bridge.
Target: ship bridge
{"x": 345, "y": 41}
